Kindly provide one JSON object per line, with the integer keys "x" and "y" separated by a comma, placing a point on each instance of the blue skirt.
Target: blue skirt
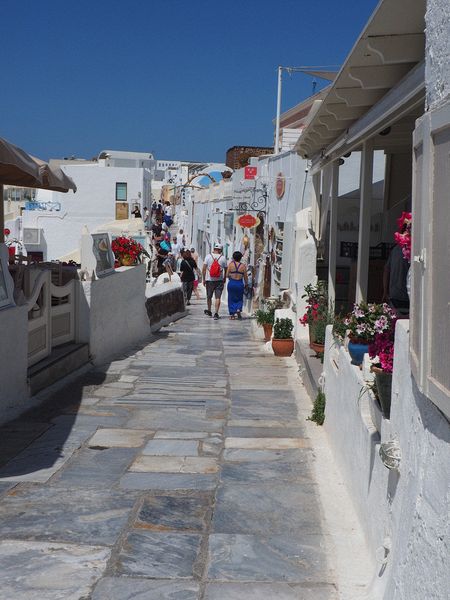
{"x": 235, "y": 295}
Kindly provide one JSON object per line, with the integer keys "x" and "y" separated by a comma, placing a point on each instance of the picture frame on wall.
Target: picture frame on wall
{"x": 101, "y": 248}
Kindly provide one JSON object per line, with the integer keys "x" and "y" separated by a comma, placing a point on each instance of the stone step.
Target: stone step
{"x": 63, "y": 360}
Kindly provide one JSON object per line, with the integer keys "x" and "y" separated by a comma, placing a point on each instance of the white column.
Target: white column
{"x": 332, "y": 250}
{"x": 277, "y": 125}
{"x": 315, "y": 202}
{"x": 365, "y": 188}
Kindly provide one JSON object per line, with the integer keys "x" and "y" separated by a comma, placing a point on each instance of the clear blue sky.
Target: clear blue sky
{"x": 184, "y": 79}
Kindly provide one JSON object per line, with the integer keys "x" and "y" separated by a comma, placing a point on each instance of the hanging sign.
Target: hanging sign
{"x": 280, "y": 186}
{"x": 248, "y": 221}
{"x": 250, "y": 172}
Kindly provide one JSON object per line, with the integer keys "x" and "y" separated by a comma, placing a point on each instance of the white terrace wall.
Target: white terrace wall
{"x": 408, "y": 509}
{"x": 112, "y": 313}
{"x": 13, "y": 361}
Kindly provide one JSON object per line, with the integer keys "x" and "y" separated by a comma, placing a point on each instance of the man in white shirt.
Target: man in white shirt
{"x": 214, "y": 283}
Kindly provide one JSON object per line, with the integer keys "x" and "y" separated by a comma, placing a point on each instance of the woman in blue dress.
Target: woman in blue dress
{"x": 237, "y": 280}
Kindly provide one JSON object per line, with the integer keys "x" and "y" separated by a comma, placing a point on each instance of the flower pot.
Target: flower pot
{"x": 267, "y": 331}
{"x": 384, "y": 389}
{"x": 312, "y": 337}
{"x": 357, "y": 348}
{"x": 318, "y": 348}
{"x": 283, "y": 347}
{"x": 126, "y": 260}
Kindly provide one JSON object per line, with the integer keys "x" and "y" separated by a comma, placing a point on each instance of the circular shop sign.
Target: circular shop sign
{"x": 248, "y": 221}
{"x": 280, "y": 186}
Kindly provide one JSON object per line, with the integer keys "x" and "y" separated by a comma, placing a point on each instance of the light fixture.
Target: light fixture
{"x": 390, "y": 454}
{"x": 386, "y": 131}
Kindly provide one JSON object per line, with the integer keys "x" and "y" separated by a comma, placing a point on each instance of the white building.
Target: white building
{"x": 393, "y": 95}
{"x": 108, "y": 188}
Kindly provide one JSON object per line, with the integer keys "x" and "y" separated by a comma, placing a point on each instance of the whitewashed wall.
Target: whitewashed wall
{"x": 437, "y": 57}
{"x": 112, "y": 315}
{"x": 409, "y": 508}
{"x": 93, "y": 204}
{"x": 13, "y": 361}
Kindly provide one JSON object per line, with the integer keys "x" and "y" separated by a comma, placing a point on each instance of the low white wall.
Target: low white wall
{"x": 410, "y": 508}
{"x": 112, "y": 313}
{"x": 13, "y": 361}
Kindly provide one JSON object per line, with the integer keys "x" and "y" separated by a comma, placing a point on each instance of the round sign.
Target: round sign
{"x": 248, "y": 221}
{"x": 280, "y": 186}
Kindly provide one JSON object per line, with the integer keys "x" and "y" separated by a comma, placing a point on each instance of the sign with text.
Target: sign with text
{"x": 280, "y": 186}
{"x": 250, "y": 172}
{"x": 248, "y": 221}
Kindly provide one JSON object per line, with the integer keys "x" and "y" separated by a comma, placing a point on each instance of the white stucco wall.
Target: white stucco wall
{"x": 410, "y": 507}
{"x": 13, "y": 361}
{"x": 112, "y": 313}
{"x": 437, "y": 52}
{"x": 93, "y": 205}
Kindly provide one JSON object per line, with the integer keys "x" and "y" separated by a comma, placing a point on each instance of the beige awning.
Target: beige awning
{"x": 17, "y": 167}
{"x": 54, "y": 178}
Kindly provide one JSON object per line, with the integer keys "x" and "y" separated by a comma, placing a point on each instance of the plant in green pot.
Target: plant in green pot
{"x": 382, "y": 351}
{"x": 282, "y": 342}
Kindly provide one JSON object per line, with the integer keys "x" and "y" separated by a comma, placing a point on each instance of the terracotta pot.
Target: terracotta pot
{"x": 267, "y": 331}
{"x": 384, "y": 389}
{"x": 283, "y": 347}
{"x": 318, "y": 348}
{"x": 126, "y": 260}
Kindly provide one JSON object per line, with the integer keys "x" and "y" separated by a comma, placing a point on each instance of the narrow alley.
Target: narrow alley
{"x": 180, "y": 471}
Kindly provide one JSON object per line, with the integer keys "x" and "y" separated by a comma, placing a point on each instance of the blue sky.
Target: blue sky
{"x": 184, "y": 79}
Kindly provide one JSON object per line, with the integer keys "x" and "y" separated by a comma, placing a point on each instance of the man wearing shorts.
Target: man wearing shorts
{"x": 214, "y": 285}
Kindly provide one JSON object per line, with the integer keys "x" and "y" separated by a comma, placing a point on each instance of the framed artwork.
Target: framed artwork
{"x": 101, "y": 248}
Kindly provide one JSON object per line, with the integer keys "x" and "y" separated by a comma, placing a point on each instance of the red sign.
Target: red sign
{"x": 280, "y": 186}
{"x": 250, "y": 172}
{"x": 248, "y": 221}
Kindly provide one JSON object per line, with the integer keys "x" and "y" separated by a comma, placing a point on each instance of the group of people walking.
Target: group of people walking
{"x": 215, "y": 272}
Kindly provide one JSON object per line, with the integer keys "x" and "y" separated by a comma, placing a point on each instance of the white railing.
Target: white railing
{"x": 51, "y": 316}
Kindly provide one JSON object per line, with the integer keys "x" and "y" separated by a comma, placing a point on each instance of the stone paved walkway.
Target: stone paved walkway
{"x": 178, "y": 472}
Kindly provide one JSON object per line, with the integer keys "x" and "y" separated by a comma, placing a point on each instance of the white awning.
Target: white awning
{"x": 385, "y": 56}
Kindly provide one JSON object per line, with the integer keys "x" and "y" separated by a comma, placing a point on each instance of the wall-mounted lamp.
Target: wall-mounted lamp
{"x": 390, "y": 454}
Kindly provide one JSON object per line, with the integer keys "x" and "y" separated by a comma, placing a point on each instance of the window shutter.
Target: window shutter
{"x": 438, "y": 371}
{"x": 419, "y": 198}
{"x": 430, "y": 290}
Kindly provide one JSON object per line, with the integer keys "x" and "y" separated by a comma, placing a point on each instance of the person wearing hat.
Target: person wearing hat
{"x": 213, "y": 274}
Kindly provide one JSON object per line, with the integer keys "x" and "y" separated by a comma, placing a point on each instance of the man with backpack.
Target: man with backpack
{"x": 213, "y": 272}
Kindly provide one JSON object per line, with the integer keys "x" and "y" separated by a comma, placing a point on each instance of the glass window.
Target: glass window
{"x": 121, "y": 192}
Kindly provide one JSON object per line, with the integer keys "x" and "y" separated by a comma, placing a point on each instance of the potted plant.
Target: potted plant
{"x": 382, "y": 351}
{"x": 363, "y": 323}
{"x": 316, "y": 308}
{"x": 282, "y": 342}
{"x": 127, "y": 251}
{"x": 265, "y": 316}
{"x": 319, "y": 327}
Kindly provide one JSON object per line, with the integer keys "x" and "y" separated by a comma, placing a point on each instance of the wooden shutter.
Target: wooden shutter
{"x": 430, "y": 293}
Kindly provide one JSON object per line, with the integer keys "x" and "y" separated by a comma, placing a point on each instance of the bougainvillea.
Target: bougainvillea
{"x": 403, "y": 235}
{"x": 382, "y": 349}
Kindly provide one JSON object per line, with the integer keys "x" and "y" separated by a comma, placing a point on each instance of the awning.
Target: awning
{"x": 17, "y": 167}
{"x": 54, "y": 178}
{"x": 388, "y": 50}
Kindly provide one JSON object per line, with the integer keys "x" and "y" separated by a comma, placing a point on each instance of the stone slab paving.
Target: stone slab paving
{"x": 178, "y": 472}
